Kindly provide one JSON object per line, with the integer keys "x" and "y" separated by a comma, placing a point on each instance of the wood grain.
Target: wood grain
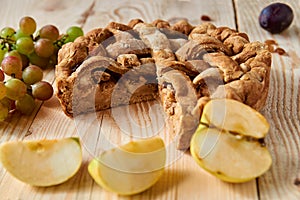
{"x": 103, "y": 12}
{"x": 183, "y": 178}
{"x": 283, "y": 103}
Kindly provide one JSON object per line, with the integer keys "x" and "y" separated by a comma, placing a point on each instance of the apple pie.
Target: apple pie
{"x": 182, "y": 65}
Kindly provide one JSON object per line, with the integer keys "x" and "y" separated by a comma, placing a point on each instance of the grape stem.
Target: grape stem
{"x": 7, "y": 43}
{"x": 61, "y": 41}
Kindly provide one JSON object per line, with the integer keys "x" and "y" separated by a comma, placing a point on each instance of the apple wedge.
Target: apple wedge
{"x": 42, "y": 162}
{"x": 131, "y": 168}
{"x": 229, "y": 141}
{"x": 234, "y": 116}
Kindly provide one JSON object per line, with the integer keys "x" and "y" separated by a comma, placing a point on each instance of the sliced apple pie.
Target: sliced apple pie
{"x": 182, "y": 65}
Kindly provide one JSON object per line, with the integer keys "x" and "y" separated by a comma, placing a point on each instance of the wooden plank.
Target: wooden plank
{"x": 63, "y": 14}
{"x": 283, "y": 108}
{"x": 17, "y": 126}
{"x": 191, "y": 182}
{"x": 44, "y": 12}
{"x": 183, "y": 179}
{"x": 123, "y": 11}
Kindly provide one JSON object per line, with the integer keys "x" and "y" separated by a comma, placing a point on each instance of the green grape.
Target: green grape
{"x": 25, "y": 61}
{"x": 52, "y": 60}
{"x": 7, "y": 33}
{"x": 72, "y": 33}
{"x": 19, "y": 34}
{"x": 2, "y": 90}
{"x": 42, "y": 90}
{"x": 3, "y": 51}
{"x": 19, "y": 75}
{"x": 3, "y": 112}
{"x": 44, "y": 47}
{"x": 11, "y": 65}
{"x": 26, "y": 104}
{"x": 10, "y": 104}
{"x": 37, "y": 60}
{"x": 13, "y": 53}
{"x": 50, "y": 32}
{"x": 27, "y": 25}
{"x": 24, "y": 45}
{"x": 22, "y": 57}
{"x": 32, "y": 74}
{"x": 2, "y": 76}
{"x": 15, "y": 89}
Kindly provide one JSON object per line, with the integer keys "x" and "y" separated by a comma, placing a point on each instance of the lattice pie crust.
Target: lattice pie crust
{"x": 183, "y": 65}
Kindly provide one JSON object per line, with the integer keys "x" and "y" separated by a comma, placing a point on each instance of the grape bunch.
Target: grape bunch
{"x": 24, "y": 53}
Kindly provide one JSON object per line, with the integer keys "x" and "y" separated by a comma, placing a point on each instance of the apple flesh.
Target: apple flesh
{"x": 131, "y": 168}
{"x": 229, "y": 157}
{"x": 42, "y": 162}
{"x": 236, "y": 117}
{"x": 228, "y": 143}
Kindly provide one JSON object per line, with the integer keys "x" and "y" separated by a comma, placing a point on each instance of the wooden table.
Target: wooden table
{"x": 183, "y": 179}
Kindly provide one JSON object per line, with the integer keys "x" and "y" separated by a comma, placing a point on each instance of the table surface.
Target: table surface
{"x": 183, "y": 179}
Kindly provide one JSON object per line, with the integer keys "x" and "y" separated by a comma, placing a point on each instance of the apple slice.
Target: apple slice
{"x": 131, "y": 168}
{"x": 235, "y": 117}
{"x": 42, "y": 162}
{"x": 228, "y": 142}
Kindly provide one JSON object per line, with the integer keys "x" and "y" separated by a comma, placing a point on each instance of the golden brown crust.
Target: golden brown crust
{"x": 182, "y": 26}
{"x": 212, "y": 62}
{"x": 159, "y": 23}
{"x": 134, "y": 22}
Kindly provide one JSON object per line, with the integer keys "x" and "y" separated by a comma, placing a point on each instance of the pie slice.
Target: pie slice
{"x": 182, "y": 65}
